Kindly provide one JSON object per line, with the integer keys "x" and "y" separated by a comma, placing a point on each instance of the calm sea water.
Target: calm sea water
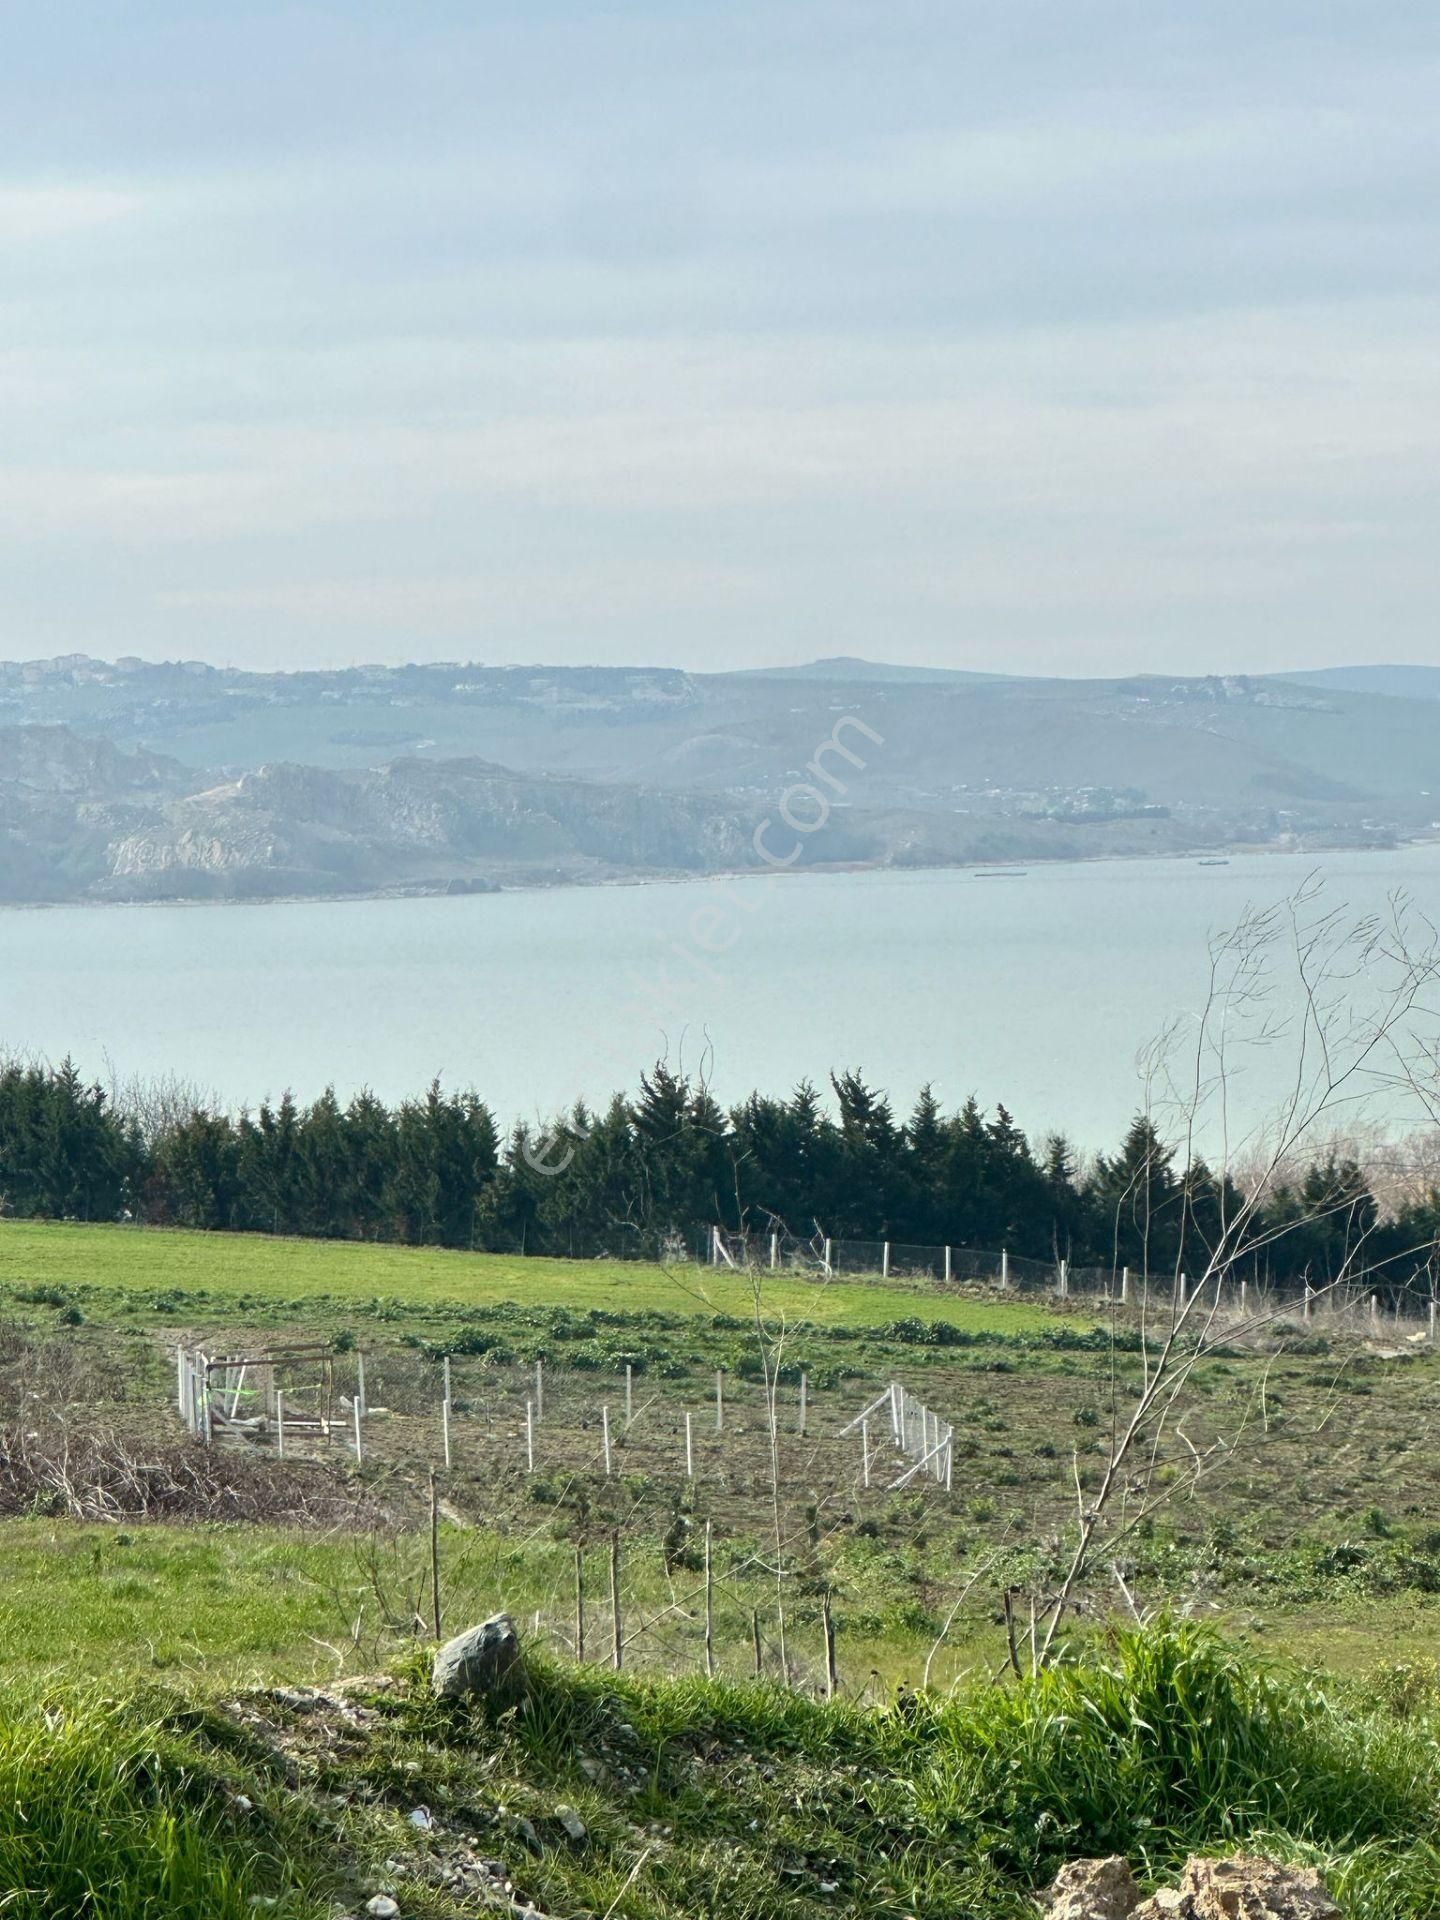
{"x": 1038, "y": 991}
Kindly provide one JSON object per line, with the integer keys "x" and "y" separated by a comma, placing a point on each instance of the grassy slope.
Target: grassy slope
{"x": 701, "y": 1800}
{"x": 252, "y": 1267}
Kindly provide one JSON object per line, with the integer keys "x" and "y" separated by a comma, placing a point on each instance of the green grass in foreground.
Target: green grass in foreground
{"x": 256, "y": 1270}
{"x": 702, "y": 1800}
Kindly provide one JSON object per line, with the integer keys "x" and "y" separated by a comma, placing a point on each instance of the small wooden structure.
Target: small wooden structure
{"x": 266, "y": 1395}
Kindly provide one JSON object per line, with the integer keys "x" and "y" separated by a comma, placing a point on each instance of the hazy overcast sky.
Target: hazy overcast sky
{"x": 1042, "y": 333}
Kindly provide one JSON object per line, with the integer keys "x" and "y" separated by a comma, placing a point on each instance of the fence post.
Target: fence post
{"x": 1308, "y": 1307}
{"x": 885, "y": 1260}
{"x": 804, "y": 1400}
{"x": 755, "y": 1640}
{"x": 714, "y": 1246}
{"x": 829, "y": 1269}
{"x": 360, "y": 1400}
{"x": 359, "y": 1444}
{"x": 864, "y": 1453}
{"x": 629, "y": 1394}
{"x": 605, "y": 1437}
{"x": 539, "y": 1389}
{"x": 1432, "y": 1316}
{"x": 689, "y": 1450}
{"x": 709, "y": 1604}
{"x": 1244, "y": 1298}
{"x": 949, "y": 1459}
{"x": 617, "y": 1642}
{"x": 445, "y": 1414}
{"x": 949, "y": 1265}
{"x": 580, "y": 1604}
{"x": 828, "y": 1620}
{"x": 774, "y": 1251}
{"x": 1064, "y": 1278}
{"x": 1125, "y": 1286}
{"x": 1374, "y": 1308}
{"x": 279, "y": 1423}
{"x": 719, "y": 1399}
{"x": 1004, "y": 1266}
{"x": 530, "y": 1436}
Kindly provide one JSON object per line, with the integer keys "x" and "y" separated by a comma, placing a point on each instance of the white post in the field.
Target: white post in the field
{"x": 719, "y": 1400}
{"x": 774, "y": 1251}
{"x": 1374, "y": 1307}
{"x": 530, "y": 1436}
{"x": 605, "y": 1437}
{"x": 629, "y": 1394}
{"x": 445, "y": 1363}
{"x": 1064, "y": 1278}
{"x": 804, "y": 1400}
{"x": 895, "y": 1393}
{"x": 359, "y": 1443}
{"x": 884, "y": 1259}
{"x": 950, "y": 1460}
{"x": 1432, "y": 1316}
{"x": 279, "y": 1423}
{"x": 1125, "y": 1286}
{"x": 864, "y": 1453}
{"x": 714, "y": 1246}
{"x": 689, "y": 1449}
{"x": 829, "y": 1269}
{"x": 1244, "y": 1293}
{"x": 445, "y": 1415}
{"x": 180, "y": 1378}
{"x": 1004, "y": 1266}
{"x": 539, "y": 1390}
{"x": 949, "y": 1265}
{"x": 360, "y": 1400}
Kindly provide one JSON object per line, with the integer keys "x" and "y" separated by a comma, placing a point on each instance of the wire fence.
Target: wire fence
{"x": 1364, "y": 1300}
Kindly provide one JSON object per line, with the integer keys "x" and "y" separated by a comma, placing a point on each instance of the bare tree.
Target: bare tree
{"x": 1340, "y": 1014}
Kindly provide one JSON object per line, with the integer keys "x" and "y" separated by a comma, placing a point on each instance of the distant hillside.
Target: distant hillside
{"x": 1402, "y": 683}
{"x": 143, "y": 779}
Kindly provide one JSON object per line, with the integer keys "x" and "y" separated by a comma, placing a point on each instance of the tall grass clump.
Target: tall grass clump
{"x": 101, "y": 1818}
{"x": 1168, "y": 1740}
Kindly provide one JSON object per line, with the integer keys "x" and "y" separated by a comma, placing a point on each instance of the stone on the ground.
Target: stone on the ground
{"x": 382, "y": 1907}
{"x": 484, "y": 1662}
{"x": 572, "y": 1823}
{"x": 1244, "y": 1887}
{"x": 1093, "y": 1890}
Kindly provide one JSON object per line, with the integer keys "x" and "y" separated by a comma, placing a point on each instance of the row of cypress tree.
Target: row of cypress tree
{"x": 668, "y": 1161}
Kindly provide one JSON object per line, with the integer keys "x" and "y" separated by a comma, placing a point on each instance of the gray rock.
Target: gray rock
{"x": 1242, "y": 1888}
{"x": 1093, "y": 1890}
{"x": 484, "y": 1663}
{"x": 572, "y": 1823}
{"x": 382, "y": 1907}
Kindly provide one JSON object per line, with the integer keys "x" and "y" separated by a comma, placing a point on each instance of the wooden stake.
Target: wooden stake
{"x": 709, "y": 1604}
{"x": 435, "y": 1555}
{"x": 360, "y": 1400}
{"x": 864, "y": 1453}
{"x": 629, "y": 1395}
{"x": 828, "y": 1619}
{"x": 689, "y": 1449}
{"x": 445, "y": 1429}
{"x": 280, "y": 1423}
{"x": 529, "y": 1436}
{"x": 755, "y": 1636}
{"x": 617, "y": 1642}
{"x": 579, "y": 1604}
{"x": 359, "y": 1443}
{"x": 605, "y": 1437}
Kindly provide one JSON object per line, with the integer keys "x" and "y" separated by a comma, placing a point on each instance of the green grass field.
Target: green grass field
{"x": 257, "y": 1272}
{"x": 1315, "y": 1542}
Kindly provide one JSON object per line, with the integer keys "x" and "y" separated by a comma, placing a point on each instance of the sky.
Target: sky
{"x": 1045, "y": 335}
